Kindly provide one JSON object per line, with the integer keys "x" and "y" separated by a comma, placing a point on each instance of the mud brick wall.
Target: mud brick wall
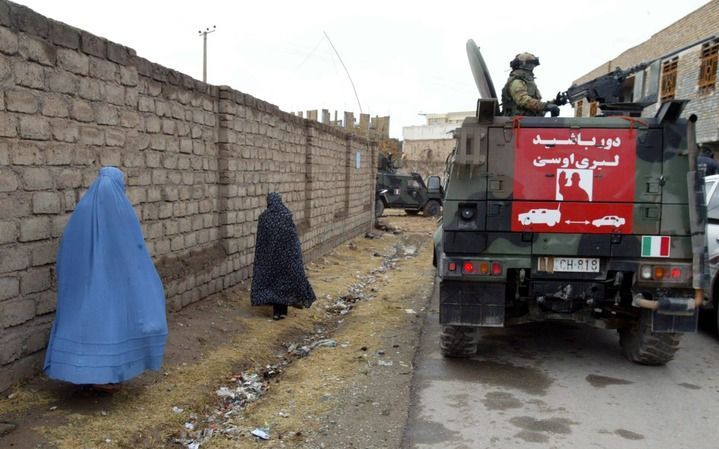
{"x": 198, "y": 159}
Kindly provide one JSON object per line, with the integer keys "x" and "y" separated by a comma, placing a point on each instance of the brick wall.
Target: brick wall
{"x": 198, "y": 161}
{"x": 700, "y": 24}
{"x": 704, "y": 105}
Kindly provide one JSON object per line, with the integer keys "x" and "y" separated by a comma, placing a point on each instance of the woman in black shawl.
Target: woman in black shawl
{"x": 279, "y": 274}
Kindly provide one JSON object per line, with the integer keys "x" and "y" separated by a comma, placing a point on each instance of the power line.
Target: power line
{"x": 346, "y": 71}
{"x": 309, "y": 55}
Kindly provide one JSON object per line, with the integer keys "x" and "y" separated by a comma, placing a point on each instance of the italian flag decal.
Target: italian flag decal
{"x": 655, "y": 246}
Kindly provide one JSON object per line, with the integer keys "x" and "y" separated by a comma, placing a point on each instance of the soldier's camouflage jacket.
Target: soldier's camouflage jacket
{"x": 520, "y": 96}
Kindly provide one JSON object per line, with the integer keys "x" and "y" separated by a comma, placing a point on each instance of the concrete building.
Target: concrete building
{"x": 426, "y": 147}
{"x": 679, "y": 62}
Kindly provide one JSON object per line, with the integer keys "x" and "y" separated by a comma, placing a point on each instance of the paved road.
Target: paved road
{"x": 553, "y": 386}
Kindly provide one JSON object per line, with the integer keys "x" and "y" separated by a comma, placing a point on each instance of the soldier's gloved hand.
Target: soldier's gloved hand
{"x": 561, "y": 99}
{"x": 552, "y": 108}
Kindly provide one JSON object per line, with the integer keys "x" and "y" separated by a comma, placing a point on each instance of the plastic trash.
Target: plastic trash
{"x": 259, "y": 433}
{"x": 326, "y": 343}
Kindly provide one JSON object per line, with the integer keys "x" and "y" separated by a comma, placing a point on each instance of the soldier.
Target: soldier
{"x": 520, "y": 95}
{"x": 706, "y": 161}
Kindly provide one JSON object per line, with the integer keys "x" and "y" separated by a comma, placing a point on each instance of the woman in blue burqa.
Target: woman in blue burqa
{"x": 110, "y": 323}
{"x": 278, "y": 277}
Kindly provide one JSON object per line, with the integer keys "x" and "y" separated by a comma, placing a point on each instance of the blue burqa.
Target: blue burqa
{"x": 110, "y": 322}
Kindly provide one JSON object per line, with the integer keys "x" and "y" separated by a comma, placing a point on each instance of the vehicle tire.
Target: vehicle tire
{"x": 459, "y": 341}
{"x": 378, "y": 208}
{"x": 411, "y": 212}
{"x": 641, "y": 345}
{"x": 432, "y": 208}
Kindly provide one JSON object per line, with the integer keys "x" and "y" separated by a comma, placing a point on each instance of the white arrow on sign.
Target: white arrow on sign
{"x": 577, "y": 222}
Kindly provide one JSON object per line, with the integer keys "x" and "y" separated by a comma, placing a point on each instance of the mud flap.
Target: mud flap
{"x": 471, "y": 304}
{"x": 663, "y": 322}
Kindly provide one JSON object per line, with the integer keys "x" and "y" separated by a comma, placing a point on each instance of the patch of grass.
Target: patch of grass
{"x": 23, "y": 400}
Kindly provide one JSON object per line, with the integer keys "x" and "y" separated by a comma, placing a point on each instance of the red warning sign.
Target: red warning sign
{"x": 569, "y": 180}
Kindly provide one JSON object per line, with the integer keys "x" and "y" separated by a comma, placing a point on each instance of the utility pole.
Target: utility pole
{"x": 204, "y": 50}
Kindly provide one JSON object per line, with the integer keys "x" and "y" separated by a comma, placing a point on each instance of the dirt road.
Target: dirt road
{"x": 361, "y": 369}
{"x": 336, "y": 375}
{"x": 561, "y": 386}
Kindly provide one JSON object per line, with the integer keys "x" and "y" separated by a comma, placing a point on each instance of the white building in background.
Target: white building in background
{"x": 430, "y": 144}
{"x": 448, "y": 118}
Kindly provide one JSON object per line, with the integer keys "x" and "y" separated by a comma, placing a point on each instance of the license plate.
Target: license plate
{"x": 576, "y": 264}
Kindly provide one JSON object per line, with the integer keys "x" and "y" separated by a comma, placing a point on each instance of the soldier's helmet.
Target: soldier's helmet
{"x": 526, "y": 61}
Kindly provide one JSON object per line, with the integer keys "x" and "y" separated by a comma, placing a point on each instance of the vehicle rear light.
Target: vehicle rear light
{"x": 496, "y": 268}
{"x": 676, "y": 273}
{"x": 484, "y": 268}
{"x": 646, "y": 272}
{"x": 468, "y": 267}
{"x": 452, "y": 266}
{"x": 467, "y": 213}
{"x": 658, "y": 272}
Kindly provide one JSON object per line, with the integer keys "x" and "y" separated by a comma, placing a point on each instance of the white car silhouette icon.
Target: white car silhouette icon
{"x": 550, "y": 217}
{"x": 609, "y": 220}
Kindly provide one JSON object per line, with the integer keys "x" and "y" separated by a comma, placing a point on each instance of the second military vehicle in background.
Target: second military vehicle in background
{"x": 397, "y": 190}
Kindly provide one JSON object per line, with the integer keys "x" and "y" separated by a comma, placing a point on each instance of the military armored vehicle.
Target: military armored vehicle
{"x": 596, "y": 220}
{"x": 408, "y": 191}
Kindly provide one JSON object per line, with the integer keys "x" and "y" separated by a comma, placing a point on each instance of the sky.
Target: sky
{"x": 404, "y": 57}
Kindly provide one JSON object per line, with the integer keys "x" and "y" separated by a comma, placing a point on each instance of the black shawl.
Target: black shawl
{"x": 279, "y": 273}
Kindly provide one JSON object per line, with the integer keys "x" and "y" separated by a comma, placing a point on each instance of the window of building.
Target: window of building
{"x": 593, "y": 108}
{"x": 669, "y": 79}
{"x": 580, "y": 106}
{"x": 627, "y": 89}
{"x": 708, "y": 68}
